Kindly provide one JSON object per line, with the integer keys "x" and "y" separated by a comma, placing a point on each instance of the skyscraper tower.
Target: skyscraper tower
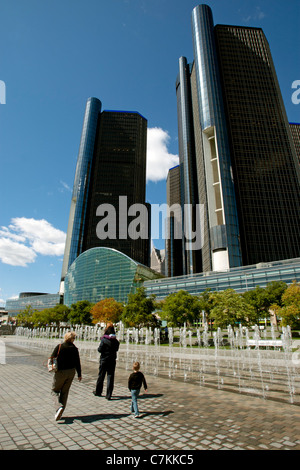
{"x": 248, "y": 176}
{"x": 111, "y": 168}
{"x": 81, "y": 185}
{"x": 265, "y": 165}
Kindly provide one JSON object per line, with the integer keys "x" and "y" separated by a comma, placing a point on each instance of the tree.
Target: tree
{"x": 80, "y": 313}
{"x": 24, "y": 318}
{"x": 139, "y": 310}
{"x": 180, "y": 307}
{"x": 48, "y": 316}
{"x": 259, "y": 300}
{"x": 290, "y": 312}
{"x": 263, "y": 298}
{"x": 231, "y": 308}
{"x": 107, "y": 310}
{"x": 290, "y": 316}
{"x": 275, "y": 291}
{"x": 41, "y": 318}
{"x": 60, "y": 314}
{"x": 291, "y": 296}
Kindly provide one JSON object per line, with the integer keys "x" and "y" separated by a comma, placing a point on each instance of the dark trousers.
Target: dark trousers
{"x": 106, "y": 367}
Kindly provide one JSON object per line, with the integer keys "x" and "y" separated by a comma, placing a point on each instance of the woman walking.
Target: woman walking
{"x": 68, "y": 362}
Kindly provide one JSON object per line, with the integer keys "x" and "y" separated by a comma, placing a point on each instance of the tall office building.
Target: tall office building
{"x": 248, "y": 176}
{"x": 110, "y": 179}
{"x": 295, "y": 130}
{"x": 174, "y": 253}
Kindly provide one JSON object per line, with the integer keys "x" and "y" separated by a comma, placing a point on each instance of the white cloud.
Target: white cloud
{"x": 159, "y": 160}
{"x": 25, "y": 238}
{"x": 5, "y": 233}
{"x": 15, "y": 254}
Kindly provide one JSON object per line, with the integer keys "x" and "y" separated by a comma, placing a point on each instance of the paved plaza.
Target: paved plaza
{"x": 175, "y": 415}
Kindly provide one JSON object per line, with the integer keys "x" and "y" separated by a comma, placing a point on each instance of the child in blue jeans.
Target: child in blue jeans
{"x": 135, "y": 382}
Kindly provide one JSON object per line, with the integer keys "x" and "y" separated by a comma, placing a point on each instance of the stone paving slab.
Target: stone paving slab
{"x": 175, "y": 416}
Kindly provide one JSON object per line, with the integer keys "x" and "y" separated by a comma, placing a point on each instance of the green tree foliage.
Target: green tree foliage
{"x": 139, "y": 311}
{"x": 275, "y": 291}
{"x": 231, "y": 308}
{"x": 262, "y": 298}
{"x": 24, "y": 318}
{"x": 60, "y": 314}
{"x": 181, "y": 307}
{"x": 290, "y": 311}
{"x": 80, "y": 313}
{"x": 41, "y": 318}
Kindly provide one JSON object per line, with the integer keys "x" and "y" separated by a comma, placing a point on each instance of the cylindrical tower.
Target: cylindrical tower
{"x": 222, "y": 211}
{"x": 81, "y": 184}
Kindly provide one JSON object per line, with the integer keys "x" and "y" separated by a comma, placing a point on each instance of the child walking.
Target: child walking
{"x": 135, "y": 382}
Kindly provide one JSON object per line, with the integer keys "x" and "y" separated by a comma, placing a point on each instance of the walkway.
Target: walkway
{"x": 175, "y": 416}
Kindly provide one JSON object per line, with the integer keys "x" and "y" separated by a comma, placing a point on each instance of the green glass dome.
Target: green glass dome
{"x": 101, "y": 273}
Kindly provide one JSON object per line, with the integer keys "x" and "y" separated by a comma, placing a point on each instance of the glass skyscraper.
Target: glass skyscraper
{"x": 111, "y": 165}
{"x": 234, "y": 133}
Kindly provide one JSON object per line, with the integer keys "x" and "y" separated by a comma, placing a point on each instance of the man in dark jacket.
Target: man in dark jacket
{"x": 108, "y": 348}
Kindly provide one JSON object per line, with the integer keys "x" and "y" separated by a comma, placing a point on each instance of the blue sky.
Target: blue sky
{"x": 53, "y": 56}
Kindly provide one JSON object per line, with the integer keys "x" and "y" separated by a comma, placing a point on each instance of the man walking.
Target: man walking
{"x": 108, "y": 348}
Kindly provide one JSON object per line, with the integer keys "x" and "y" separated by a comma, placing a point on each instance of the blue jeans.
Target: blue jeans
{"x": 134, "y": 405}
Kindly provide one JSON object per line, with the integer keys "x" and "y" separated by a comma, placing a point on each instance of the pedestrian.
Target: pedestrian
{"x": 68, "y": 363}
{"x": 108, "y": 348}
{"x": 135, "y": 382}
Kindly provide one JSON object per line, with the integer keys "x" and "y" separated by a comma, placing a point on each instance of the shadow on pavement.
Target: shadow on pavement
{"x": 92, "y": 418}
{"x": 102, "y": 416}
{"x": 128, "y": 397}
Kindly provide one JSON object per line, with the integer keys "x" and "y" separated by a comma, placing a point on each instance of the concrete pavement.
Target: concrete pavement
{"x": 175, "y": 416}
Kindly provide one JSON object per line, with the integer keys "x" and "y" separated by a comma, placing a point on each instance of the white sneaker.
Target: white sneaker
{"x": 59, "y": 413}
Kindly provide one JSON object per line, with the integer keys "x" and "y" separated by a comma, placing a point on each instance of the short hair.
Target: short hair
{"x": 136, "y": 366}
{"x": 70, "y": 336}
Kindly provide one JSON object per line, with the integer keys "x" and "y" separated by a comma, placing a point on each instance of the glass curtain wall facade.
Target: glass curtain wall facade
{"x": 36, "y": 301}
{"x": 295, "y": 130}
{"x": 119, "y": 169}
{"x": 174, "y": 244}
{"x": 78, "y": 208}
{"x": 246, "y": 152}
{"x": 265, "y": 167}
{"x": 222, "y": 211}
{"x": 212, "y": 152}
{"x": 111, "y": 164}
{"x": 188, "y": 176}
{"x": 101, "y": 273}
{"x": 239, "y": 279}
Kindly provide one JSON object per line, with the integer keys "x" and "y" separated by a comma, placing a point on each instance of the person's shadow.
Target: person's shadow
{"x": 93, "y": 418}
{"x": 143, "y": 396}
{"x": 103, "y": 416}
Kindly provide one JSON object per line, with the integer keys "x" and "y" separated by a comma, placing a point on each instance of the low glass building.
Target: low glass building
{"x": 36, "y": 300}
{"x": 239, "y": 279}
{"x": 101, "y": 273}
